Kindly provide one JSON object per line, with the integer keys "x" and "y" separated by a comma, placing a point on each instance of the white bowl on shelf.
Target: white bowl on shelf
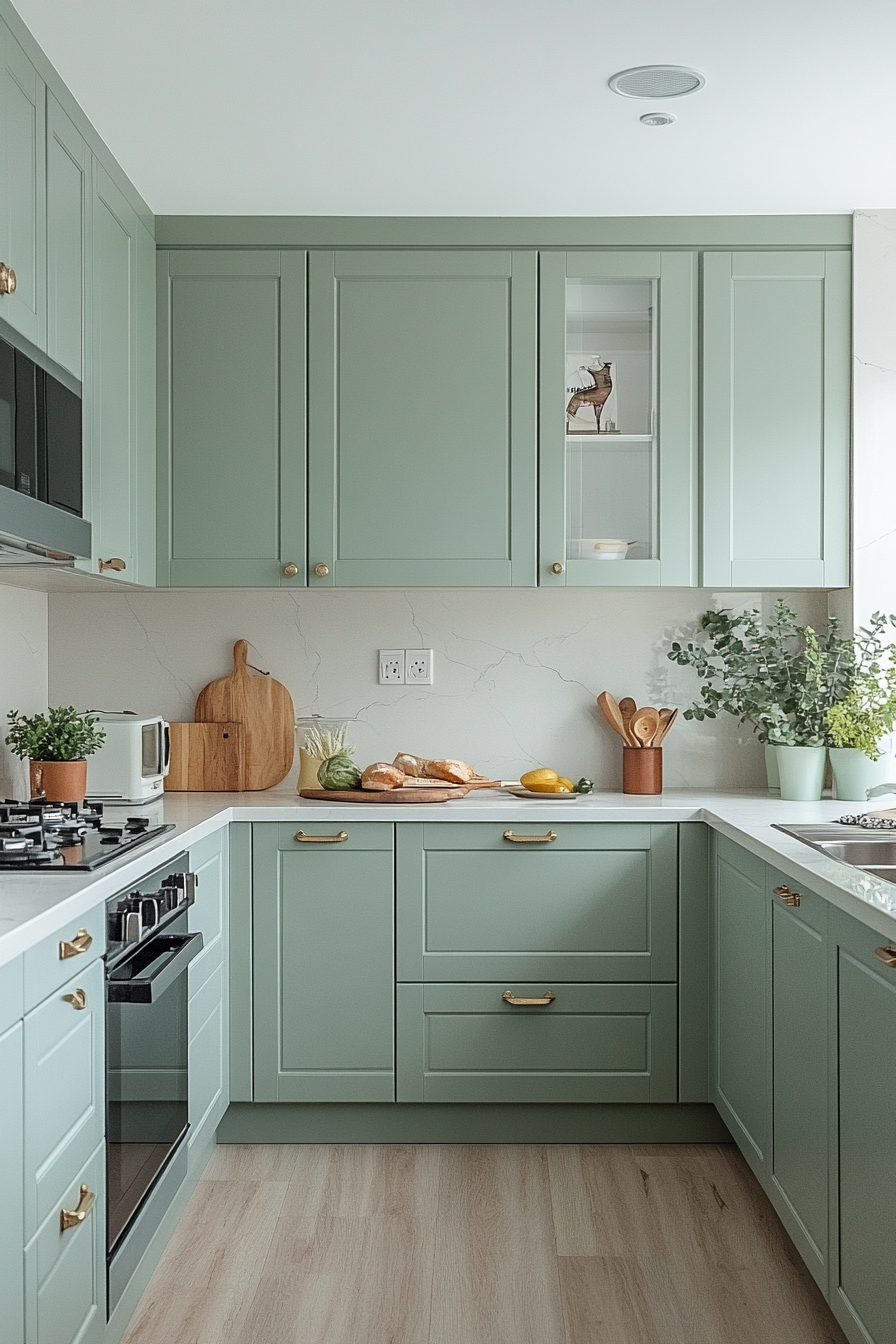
{"x": 603, "y": 548}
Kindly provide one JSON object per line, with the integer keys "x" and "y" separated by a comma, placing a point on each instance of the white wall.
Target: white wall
{"x": 516, "y": 671}
{"x": 23, "y": 673}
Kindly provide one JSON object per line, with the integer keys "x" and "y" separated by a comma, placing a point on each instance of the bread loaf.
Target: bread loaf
{"x": 455, "y": 772}
{"x": 381, "y": 776}
{"x": 415, "y": 766}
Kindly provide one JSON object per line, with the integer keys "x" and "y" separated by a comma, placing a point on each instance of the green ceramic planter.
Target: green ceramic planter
{"x": 855, "y": 773}
{"x": 802, "y": 772}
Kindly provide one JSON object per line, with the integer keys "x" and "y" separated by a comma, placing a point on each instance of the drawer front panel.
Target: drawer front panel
{"x": 570, "y": 835}
{"x": 11, "y": 993}
{"x": 208, "y": 860}
{"x": 591, "y": 1043}
{"x": 46, "y": 965}
{"x": 64, "y": 1066}
{"x": 208, "y": 1054}
{"x": 65, "y": 1271}
{"x": 359, "y": 835}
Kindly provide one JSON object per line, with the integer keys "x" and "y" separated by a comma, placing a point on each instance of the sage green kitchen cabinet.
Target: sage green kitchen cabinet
{"x": 865, "y": 1155}
{"x": 634, "y": 314}
{"x": 422, "y": 418}
{"x": 776, "y": 390}
{"x": 208, "y": 1006}
{"x": 23, "y": 187}
{"x": 231, "y": 374}
{"x": 740, "y": 1000}
{"x": 323, "y": 961}
{"x": 65, "y": 1266}
{"x": 69, "y": 254}
{"x": 12, "y": 1218}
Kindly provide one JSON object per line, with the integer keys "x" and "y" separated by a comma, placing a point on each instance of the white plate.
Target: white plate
{"x": 544, "y": 797}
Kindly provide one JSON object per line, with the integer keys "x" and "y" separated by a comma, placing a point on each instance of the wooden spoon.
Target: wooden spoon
{"x": 667, "y": 718}
{"x": 628, "y": 708}
{"x": 644, "y": 726}
{"x": 610, "y": 711}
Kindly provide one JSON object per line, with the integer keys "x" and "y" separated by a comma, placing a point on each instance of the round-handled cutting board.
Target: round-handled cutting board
{"x": 264, "y": 707}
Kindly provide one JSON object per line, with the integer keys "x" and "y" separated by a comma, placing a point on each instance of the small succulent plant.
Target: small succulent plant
{"x": 60, "y": 735}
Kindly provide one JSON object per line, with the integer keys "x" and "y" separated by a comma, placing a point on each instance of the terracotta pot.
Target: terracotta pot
{"x": 61, "y": 781}
{"x": 642, "y": 769}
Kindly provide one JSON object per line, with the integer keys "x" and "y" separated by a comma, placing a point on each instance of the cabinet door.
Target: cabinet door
{"x": 68, "y": 253}
{"x": 12, "y": 1222}
{"x": 65, "y": 1267}
{"x": 323, "y": 930}
{"x": 232, "y": 377}
{"x": 799, "y": 1172}
{"x": 208, "y": 1063}
{"x": 23, "y": 188}
{"x": 776, "y": 380}
{"x": 740, "y": 994}
{"x": 619, "y": 328}
{"x": 866, "y": 1072}
{"x": 422, "y": 418}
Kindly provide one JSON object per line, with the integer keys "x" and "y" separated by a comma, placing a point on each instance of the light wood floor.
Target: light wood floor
{"x": 428, "y": 1244}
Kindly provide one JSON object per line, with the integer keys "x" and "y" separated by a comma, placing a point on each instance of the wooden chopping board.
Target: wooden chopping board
{"x": 414, "y": 795}
{"x": 207, "y": 757}
{"x": 264, "y": 708}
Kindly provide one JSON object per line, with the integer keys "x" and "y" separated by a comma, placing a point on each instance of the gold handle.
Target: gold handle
{"x": 80, "y": 943}
{"x": 321, "y": 571}
{"x": 321, "y": 839}
{"x": 791, "y": 898}
{"x": 556, "y": 567}
{"x": 74, "y": 1217}
{"x": 112, "y": 563}
{"x": 547, "y": 997}
{"x": 290, "y": 570}
{"x": 886, "y": 954}
{"x": 545, "y": 839}
{"x": 77, "y": 998}
{"x": 7, "y": 279}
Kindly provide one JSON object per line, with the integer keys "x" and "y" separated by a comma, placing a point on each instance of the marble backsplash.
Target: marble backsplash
{"x": 516, "y": 671}
{"x": 23, "y": 673}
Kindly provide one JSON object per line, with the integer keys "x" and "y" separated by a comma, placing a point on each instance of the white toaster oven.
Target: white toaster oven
{"x": 132, "y": 763}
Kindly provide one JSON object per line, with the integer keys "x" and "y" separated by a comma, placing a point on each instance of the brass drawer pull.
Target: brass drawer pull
{"x": 791, "y": 898}
{"x": 545, "y": 839}
{"x": 74, "y": 1217}
{"x": 77, "y": 999}
{"x": 321, "y": 839}
{"x": 886, "y": 954}
{"x": 114, "y": 562}
{"x": 80, "y": 943}
{"x": 547, "y": 998}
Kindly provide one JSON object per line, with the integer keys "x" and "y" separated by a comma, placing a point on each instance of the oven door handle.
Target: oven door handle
{"x": 182, "y": 948}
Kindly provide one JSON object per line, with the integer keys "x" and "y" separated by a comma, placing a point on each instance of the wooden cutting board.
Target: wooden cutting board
{"x": 208, "y": 757}
{"x": 264, "y": 708}
{"x": 414, "y": 795}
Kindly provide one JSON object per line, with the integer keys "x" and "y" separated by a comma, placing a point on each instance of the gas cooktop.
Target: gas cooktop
{"x": 43, "y": 836}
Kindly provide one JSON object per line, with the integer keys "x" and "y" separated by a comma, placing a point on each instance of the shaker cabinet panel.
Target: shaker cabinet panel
{"x": 422, "y": 371}
{"x": 776, "y": 386}
{"x": 232, "y": 386}
{"x": 68, "y": 252}
{"x": 11, "y": 1188}
{"x": 23, "y": 186}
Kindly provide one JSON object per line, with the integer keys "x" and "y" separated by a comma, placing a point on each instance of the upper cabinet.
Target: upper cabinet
{"x": 232, "y": 448}
{"x": 68, "y": 250}
{"x": 422, "y": 418}
{"x": 618, "y": 424}
{"x": 776, "y": 386}
{"x": 23, "y": 184}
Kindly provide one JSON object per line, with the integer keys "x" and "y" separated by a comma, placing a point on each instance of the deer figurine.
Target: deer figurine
{"x": 595, "y": 396}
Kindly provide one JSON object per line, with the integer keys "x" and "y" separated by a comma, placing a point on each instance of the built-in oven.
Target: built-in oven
{"x": 149, "y": 949}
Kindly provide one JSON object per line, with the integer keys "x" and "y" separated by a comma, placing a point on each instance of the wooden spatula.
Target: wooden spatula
{"x": 628, "y": 709}
{"x": 610, "y": 711}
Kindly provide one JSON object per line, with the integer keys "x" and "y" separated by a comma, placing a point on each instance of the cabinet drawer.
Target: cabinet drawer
{"x": 208, "y": 1054}
{"x": 65, "y": 1271}
{"x": 320, "y": 835}
{"x": 11, "y": 993}
{"x": 452, "y": 835}
{"x": 591, "y": 1043}
{"x": 56, "y": 959}
{"x": 605, "y": 910}
{"x": 64, "y": 1064}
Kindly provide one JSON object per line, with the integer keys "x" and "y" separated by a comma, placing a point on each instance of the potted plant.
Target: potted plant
{"x": 859, "y": 724}
{"x": 56, "y": 745}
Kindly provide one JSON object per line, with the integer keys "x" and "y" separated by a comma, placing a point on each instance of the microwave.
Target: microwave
{"x": 131, "y": 765}
{"x": 40, "y": 431}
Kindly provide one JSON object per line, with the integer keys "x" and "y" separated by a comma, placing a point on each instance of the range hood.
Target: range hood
{"x": 35, "y": 533}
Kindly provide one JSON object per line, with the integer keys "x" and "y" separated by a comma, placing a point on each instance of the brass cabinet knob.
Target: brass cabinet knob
{"x": 321, "y": 571}
{"x": 886, "y": 954}
{"x": 74, "y": 1217}
{"x": 7, "y": 279}
{"x": 80, "y": 943}
{"x": 112, "y": 563}
{"x": 556, "y": 567}
{"x": 290, "y": 570}
{"x": 791, "y": 898}
{"x": 77, "y": 999}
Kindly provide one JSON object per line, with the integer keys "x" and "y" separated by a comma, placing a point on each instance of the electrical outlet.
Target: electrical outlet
{"x": 418, "y": 667}
{"x": 391, "y": 667}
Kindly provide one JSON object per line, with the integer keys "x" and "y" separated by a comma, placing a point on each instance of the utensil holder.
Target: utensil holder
{"x": 642, "y": 769}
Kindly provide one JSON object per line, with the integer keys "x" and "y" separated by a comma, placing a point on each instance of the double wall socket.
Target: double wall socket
{"x": 400, "y": 667}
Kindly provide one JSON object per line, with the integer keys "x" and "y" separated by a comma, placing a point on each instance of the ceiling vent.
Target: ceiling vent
{"x": 657, "y": 81}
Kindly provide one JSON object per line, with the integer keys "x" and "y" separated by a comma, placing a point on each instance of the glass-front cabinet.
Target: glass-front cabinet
{"x": 618, "y": 418}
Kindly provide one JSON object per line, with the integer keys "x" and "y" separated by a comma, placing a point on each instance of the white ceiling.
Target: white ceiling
{"x": 483, "y": 107}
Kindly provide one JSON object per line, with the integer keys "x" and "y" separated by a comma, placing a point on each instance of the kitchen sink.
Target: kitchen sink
{"x": 872, "y": 852}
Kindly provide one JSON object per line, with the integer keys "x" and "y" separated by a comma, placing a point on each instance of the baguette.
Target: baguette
{"x": 455, "y": 772}
{"x": 415, "y": 766}
{"x": 381, "y": 776}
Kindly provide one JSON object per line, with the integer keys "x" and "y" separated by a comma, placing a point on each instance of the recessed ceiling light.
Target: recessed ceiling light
{"x": 657, "y": 81}
{"x": 657, "y": 118}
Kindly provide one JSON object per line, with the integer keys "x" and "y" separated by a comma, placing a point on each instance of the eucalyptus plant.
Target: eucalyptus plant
{"x": 60, "y": 735}
{"x": 868, "y": 710}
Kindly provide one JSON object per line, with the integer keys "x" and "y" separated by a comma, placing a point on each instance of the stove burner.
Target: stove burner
{"x": 40, "y": 834}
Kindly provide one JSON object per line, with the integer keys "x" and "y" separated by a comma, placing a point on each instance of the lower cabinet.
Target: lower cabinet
{"x": 11, "y": 1187}
{"x": 65, "y": 1263}
{"x": 208, "y": 1006}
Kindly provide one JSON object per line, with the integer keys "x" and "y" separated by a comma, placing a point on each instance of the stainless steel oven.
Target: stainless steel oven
{"x": 149, "y": 950}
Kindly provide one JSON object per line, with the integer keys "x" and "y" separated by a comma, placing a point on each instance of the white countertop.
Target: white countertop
{"x": 33, "y": 905}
